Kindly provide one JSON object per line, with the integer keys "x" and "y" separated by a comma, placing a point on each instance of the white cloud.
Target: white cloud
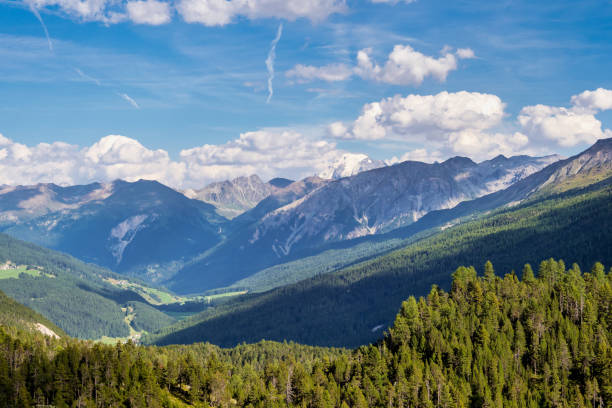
{"x": 268, "y": 153}
{"x": 119, "y": 157}
{"x": 445, "y": 124}
{"x": 337, "y": 130}
{"x": 329, "y": 73}
{"x": 568, "y": 126}
{"x": 420, "y": 155}
{"x": 150, "y": 12}
{"x": 466, "y": 53}
{"x": 222, "y": 12}
{"x": 405, "y": 66}
{"x": 206, "y": 12}
{"x": 112, "y": 157}
{"x": 597, "y": 100}
{"x": 472, "y": 124}
{"x": 105, "y": 11}
{"x": 431, "y": 116}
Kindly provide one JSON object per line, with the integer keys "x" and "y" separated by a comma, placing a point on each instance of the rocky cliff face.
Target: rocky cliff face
{"x": 232, "y": 198}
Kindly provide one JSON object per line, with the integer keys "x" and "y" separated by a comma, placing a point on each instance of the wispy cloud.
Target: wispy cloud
{"x": 87, "y": 77}
{"x": 34, "y": 11}
{"x": 127, "y": 98}
{"x": 270, "y": 61}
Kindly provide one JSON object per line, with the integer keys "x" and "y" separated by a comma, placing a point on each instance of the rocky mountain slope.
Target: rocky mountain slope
{"x": 233, "y": 197}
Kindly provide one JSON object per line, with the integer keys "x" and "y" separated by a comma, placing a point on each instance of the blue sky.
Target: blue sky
{"x": 182, "y": 81}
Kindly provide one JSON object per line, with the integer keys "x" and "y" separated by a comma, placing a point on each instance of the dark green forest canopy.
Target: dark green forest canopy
{"x": 489, "y": 341}
{"x": 342, "y": 308}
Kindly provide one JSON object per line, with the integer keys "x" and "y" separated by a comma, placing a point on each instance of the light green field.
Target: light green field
{"x": 151, "y": 295}
{"x": 14, "y": 273}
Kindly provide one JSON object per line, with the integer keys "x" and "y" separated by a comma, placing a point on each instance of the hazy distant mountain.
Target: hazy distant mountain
{"x": 232, "y": 198}
{"x": 143, "y": 227}
{"x": 296, "y": 219}
{"x": 350, "y": 164}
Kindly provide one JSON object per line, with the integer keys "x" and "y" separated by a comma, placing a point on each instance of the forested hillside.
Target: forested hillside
{"x": 76, "y": 296}
{"x": 17, "y": 316}
{"x": 344, "y": 308}
{"x": 489, "y": 341}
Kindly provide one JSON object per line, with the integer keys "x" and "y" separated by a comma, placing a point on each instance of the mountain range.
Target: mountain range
{"x": 564, "y": 209}
{"x": 210, "y": 238}
{"x": 352, "y": 246}
{"x": 308, "y": 215}
{"x": 190, "y": 240}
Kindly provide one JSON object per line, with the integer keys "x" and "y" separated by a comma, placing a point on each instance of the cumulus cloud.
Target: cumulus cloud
{"x": 404, "y": 66}
{"x": 150, "y": 12}
{"x": 431, "y": 116}
{"x": 469, "y": 123}
{"x": 568, "y": 126}
{"x": 110, "y": 158}
{"x": 597, "y": 100}
{"x": 330, "y": 73}
{"x": 421, "y": 155}
{"x": 268, "y": 153}
{"x": 106, "y": 11}
{"x": 222, "y": 12}
{"x": 447, "y": 123}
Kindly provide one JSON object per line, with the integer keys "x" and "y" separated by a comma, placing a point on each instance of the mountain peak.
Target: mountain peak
{"x": 280, "y": 182}
{"x": 459, "y": 162}
{"x": 350, "y": 164}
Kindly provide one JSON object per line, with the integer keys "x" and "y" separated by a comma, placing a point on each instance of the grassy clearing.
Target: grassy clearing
{"x": 153, "y": 296}
{"x": 14, "y": 273}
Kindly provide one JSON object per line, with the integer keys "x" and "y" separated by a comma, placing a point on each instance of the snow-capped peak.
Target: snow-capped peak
{"x": 350, "y": 164}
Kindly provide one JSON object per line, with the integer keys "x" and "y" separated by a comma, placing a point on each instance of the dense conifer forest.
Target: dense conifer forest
{"x": 489, "y": 341}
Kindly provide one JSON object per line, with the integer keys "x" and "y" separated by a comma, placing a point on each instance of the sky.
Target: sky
{"x": 193, "y": 91}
